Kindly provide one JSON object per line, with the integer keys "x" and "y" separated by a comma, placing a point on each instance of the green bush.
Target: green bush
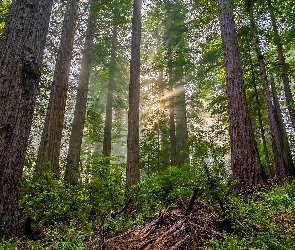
{"x": 49, "y": 201}
{"x": 264, "y": 220}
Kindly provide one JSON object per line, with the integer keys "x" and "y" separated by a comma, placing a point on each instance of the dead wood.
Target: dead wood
{"x": 171, "y": 230}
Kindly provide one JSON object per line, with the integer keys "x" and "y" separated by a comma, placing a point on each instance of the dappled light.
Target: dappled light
{"x": 147, "y": 125}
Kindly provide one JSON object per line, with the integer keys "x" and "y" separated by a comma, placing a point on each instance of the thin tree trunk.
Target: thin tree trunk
{"x": 245, "y": 162}
{"x": 261, "y": 127}
{"x": 289, "y": 167}
{"x": 171, "y": 109}
{"x": 162, "y": 124}
{"x": 21, "y": 52}
{"x": 282, "y": 60}
{"x": 280, "y": 164}
{"x": 49, "y": 149}
{"x": 181, "y": 128}
{"x": 133, "y": 170}
{"x": 73, "y": 158}
{"x": 107, "y": 139}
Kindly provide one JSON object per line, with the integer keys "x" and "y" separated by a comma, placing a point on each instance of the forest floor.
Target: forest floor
{"x": 171, "y": 230}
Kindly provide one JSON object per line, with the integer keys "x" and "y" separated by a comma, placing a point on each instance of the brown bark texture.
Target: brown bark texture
{"x": 245, "y": 162}
{"x": 289, "y": 166}
{"x": 171, "y": 108}
{"x": 107, "y": 139}
{"x": 259, "y": 116}
{"x": 133, "y": 170}
{"x": 282, "y": 60}
{"x": 280, "y": 164}
{"x": 73, "y": 157}
{"x": 49, "y": 149}
{"x": 21, "y": 52}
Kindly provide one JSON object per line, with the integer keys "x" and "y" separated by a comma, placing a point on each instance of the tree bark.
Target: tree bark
{"x": 21, "y": 52}
{"x": 280, "y": 164}
{"x": 73, "y": 158}
{"x": 245, "y": 162}
{"x": 107, "y": 139}
{"x": 49, "y": 149}
{"x": 181, "y": 128}
{"x": 171, "y": 108}
{"x": 282, "y": 60}
{"x": 259, "y": 116}
{"x": 133, "y": 170}
{"x": 289, "y": 166}
{"x": 164, "y": 159}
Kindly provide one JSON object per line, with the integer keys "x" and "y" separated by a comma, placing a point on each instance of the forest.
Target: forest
{"x": 147, "y": 124}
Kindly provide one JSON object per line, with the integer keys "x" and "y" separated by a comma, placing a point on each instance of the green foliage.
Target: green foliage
{"x": 50, "y": 201}
{"x": 163, "y": 190}
{"x": 166, "y": 189}
{"x": 264, "y": 220}
{"x": 4, "y": 9}
{"x": 106, "y": 186}
{"x": 69, "y": 213}
{"x": 9, "y": 244}
{"x": 72, "y": 237}
{"x": 153, "y": 152}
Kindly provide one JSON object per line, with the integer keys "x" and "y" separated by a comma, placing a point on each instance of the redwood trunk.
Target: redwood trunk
{"x": 245, "y": 161}
{"x": 280, "y": 164}
{"x": 107, "y": 139}
{"x": 49, "y": 149}
{"x": 73, "y": 158}
{"x": 282, "y": 60}
{"x": 164, "y": 144}
{"x": 181, "y": 128}
{"x": 261, "y": 127}
{"x": 171, "y": 109}
{"x": 21, "y": 53}
{"x": 133, "y": 170}
{"x": 289, "y": 166}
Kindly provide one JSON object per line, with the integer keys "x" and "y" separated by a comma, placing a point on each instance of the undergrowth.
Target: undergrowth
{"x": 76, "y": 217}
{"x": 263, "y": 220}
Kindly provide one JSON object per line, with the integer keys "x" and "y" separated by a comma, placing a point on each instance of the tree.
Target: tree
{"x": 21, "y": 45}
{"x": 289, "y": 164}
{"x": 107, "y": 140}
{"x": 73, "y": 157}
{"x": 181, "y": 127}
{"x": 280, "y": 164}
{"x": 49, "y": 149}
{"x": 259, "y": 113}
{"x": 245, "y": 163}
{"x": 282, "y": 60}
{"x": 171, "y": 107}
{"x": 133, "y": 171}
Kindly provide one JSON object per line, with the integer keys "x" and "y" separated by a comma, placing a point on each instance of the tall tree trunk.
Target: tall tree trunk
{"x": 133, "y": 170}
{"x": 73, "y": 158}
{"x": 280, "y": 164}
{"x": 282, "y": 60}
{"x": 259, "y": 116}
{"x": 171, "y": 108}
{"x": 49, "y": 149}
{"x": 289, "y": 167}
{"x": 181, "y": 128}
{"x": 21, "y": 52}
{"x": 164, "y": 159}
{"x": 107, "y": 139}
{"x": 245, "y": 162}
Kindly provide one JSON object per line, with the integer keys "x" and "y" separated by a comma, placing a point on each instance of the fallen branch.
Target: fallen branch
{"x": 115, "y": 213}
{"x": 192, "y": 200}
